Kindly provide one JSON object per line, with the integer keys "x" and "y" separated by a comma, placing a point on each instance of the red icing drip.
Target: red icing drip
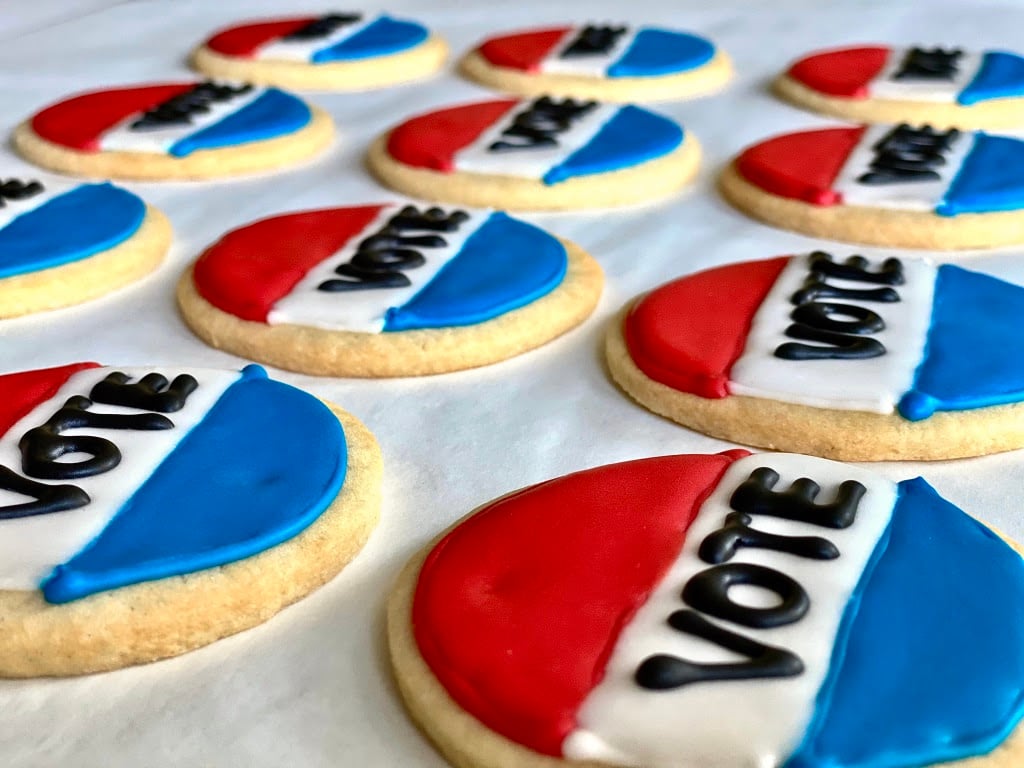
{"x": 431, "y": 140}
{"x": 249, "y": 269}
{"x": 23, "y": 391}
{"x": 518, "y": 608}
{"x": 844, "y": 72}
{"x": 243, "y": 41}
{"x": 688, "y": 333}
{"x": 801, "y": 166}
{"x": 80, "y": 122}
{"x": 524, "y": 51}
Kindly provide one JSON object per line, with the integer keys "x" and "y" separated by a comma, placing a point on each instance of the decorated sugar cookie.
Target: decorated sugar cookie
{"x": 387, "y": 290}
{"x": 174, "y": 131}
{"x": 544, "y": 154}
{"x": 335, "y": 51}
{"x": 65, "y": 243}
{"x": 946, "y": 87}
{"x": 612, "y": 62}
{"x": 839, "y": 357}
{"x": 148, "y": 511}
{"x": 892, "y": 185}
{"x": 727, "y": 610}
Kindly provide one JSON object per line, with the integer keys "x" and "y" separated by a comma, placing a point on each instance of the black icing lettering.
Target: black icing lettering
{"x": 323, "y": 26}
{"x": 756, "y": 496}
{"x": 822, "y": 316}
{"x": 150, "y": 393}
{"x": 721, "y": 545}
{"x": 15, "y": 189}
{"x": 662, "y": 672}
{"x": 45, "y": 498}
{"x": 42, "y": 446}
{"x": 382, "y": 257}
{"x": 831, "y": 346}
{"x": 816, "y": 288}
{"x": 180, "y": 109}
{"x": 925, "y": 64}
{"x": 593, "y": 39}
{"x": 909, "y": 154}
{"x": 540, "y": 122}
{"x": 708, "y": 592}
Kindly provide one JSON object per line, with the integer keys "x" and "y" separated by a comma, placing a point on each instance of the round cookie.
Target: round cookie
{"x": 387, "y": 290}
{"x": 545, "y": 154}
{"x": 600, "y": 61}
{"x": 945, "y": 87}
{"x": 336, "y": 51}
{"x": 852, "y": 360}
{"x": 63, "y": 244}
{"x": 901, "y": 186}
{"x": 149, "y": 511}
{"x": 174, "y": 131}
{"x": 589, "y": 621}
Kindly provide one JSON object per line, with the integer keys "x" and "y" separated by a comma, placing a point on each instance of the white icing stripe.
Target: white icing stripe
{"x": 14, "y": 208}
{"x": 738, "y": 723}
{"x": 910, "y": 195}
{"x": 364, "y": 310}
{"x": 31, "y": 546}
{"x": 159, "y": 140}
{"x": 533, "y": 162}
{"x": 873, "y": 384}
{"x": 883, "y": 86}
{"x": 594, "y": 65}
{"x": 303, "y": 50}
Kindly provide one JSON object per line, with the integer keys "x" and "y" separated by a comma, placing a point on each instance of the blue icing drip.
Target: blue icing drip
{"x": 990, "y": 179}
{"x": 1001, "y": 75}
{"x": 504, "y": 265}
{"x": 273, "y": 113}
{"x": 933, "y": 665}
{"x": 260, "y": 468}
{"x": 631, "y": 137}
{"x": 380, "y": 37}
{"x": 974, "y": 352}
{"x": 75, "y": 225}
{"x": 662, "y": 52}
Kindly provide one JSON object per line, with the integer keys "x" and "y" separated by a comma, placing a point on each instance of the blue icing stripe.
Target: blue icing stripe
{"x": 75, "y": 225}
{"x": 974, "y": 351}
{"x": 1001, "y": 75}
{"x": 932, "y": 668}
{"x": 632, "y": 136}
{"x": 662, "y": 52}
{"x": 504, "y": 265}
{"x": 380, "y": 37}
{"x": 262, "y": 466}
{"x": 990, "y": 179}
{"x": 273, "y": 113}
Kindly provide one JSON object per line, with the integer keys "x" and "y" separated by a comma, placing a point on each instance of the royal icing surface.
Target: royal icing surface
{"x": 151, "y": 507}
{"x": 173, "y": 119}
{"x": 550, "y": 140}
{"x": 60, "y": 223}
{"x": 769, "y": 611}
{"x": 596, "y": 50}
{"x": 381, "y": 268}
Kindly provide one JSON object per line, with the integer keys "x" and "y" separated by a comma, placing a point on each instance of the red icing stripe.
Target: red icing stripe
{"x": 688, "y": 333}
{"x": 518, "y": 608}
{"x": 245, "y": 40}
{"x": 802, "y": 166}
{"x": 431, "y": 140}
{"x": 249, "y": 269}
{"x": 80, "y": 121}
{"x": 23, "y": 391}
{"x": 524, "y": 51}
{"x": 845, "y": 72}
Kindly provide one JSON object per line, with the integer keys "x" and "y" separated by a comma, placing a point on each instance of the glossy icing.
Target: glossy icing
{"x": 544, "y": 647}
{"x": 65, "y": 223}
{"x": 103, "y": 120}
